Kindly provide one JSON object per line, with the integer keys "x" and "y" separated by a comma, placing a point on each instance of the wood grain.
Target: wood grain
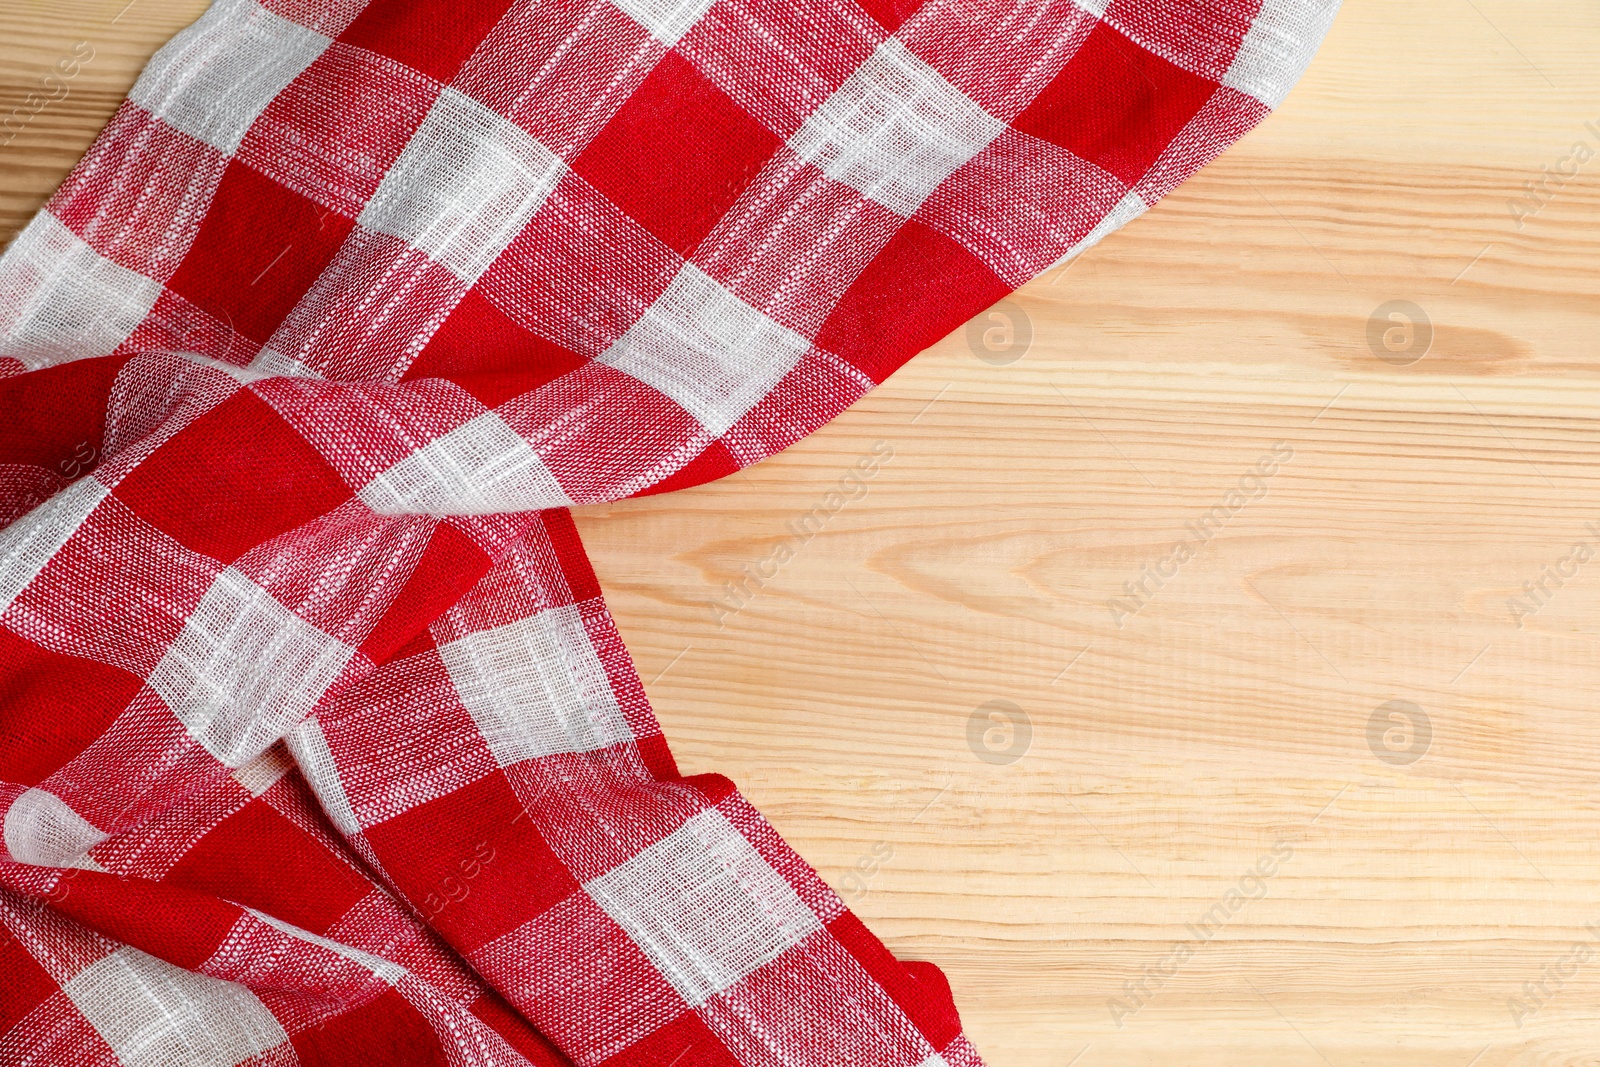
{"x": 1216, "y": 741}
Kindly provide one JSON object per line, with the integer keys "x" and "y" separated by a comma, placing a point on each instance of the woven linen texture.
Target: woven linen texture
{"x": 317, "y": 742}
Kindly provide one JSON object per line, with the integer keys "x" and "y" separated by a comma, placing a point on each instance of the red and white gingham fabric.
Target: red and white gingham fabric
{"x": 317, "y": 743}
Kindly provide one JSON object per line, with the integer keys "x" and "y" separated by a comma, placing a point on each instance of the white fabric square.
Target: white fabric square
{"x": 27, "y": 544}
{"x": 482, "y": 467}
{"x": 61, "y": 300}
{"x": 895, "y": 129}
{"x": 386, "y": 971}
{"x": 704, "y": 906}
{"x": 466, "y": 184}
{"x": 373, "y": 308}
{"x": 245, "y": 669}
{"x": 42, "y": 829}
{"x": 791, "y": 998}
{"x": 154, "y": 1014}
{"x": 535, "y": 687}
{"x": 213, "y": 80}
{"x": 706, "y": 349}
{"x": 270, "y": 363}
{"x": 309, "y": 746}
{"x": 1279, "y": 47}
{"x": 667, "y": 20}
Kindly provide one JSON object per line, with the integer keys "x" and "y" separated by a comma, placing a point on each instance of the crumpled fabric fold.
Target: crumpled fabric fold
{"x": 317, "y": 742}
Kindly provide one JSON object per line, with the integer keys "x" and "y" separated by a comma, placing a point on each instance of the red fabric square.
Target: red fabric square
{"x": 26, "y": 984}
{"x": 52, "y": 707}
{"x": 121, "y": 576}
{"x": 927, "y": 1003}
{"x": 433, "y": 36}
{"x": 596, "y": 811}
{"x": 422, "y": 642}
{"x": 796, "y": 406}
{"x": 56, "y": 416}
{"x": 1227, "y": 116}
{"x": 259, "y": 859}
{"x": 231, "y": 479}
{"x": 386, "y": 1032}
{"x": 805, "y": 987}
{"x": 450, "y": 565}
{"x": 797, "y": 241}
{"x": 556, "y": 967}
{"x": 472, "y": 862}
{"x": 1116, "y": 105}
{"x": 69, "y": 1037}
{"x": 655, "y": 754}
{"x": 147, "y": 736}
{"x": 370, "y": 313}
{"x": 999, "y": 55}
{"x": 891, "y": 13}
{"x": 259, "y": 250}
{"x": 678, "y": 154}
{"x": 500, "y": 1017}
{"x": 335, "y": 131}
{"x": 345, "y": 604}
{"x": 182, "y": 927}
{"x": 1021, "y": 204}
{"x": 327, "y": 17}
{"x": 919, "y": 288}
{"x": 575, "y": 565}
{"x": 489, "y": 356}
{"x": 359, "y": 438}
{"x": 638, "y": 420}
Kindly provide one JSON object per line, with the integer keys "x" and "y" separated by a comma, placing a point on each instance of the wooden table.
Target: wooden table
{"x": 1222, "y": 842}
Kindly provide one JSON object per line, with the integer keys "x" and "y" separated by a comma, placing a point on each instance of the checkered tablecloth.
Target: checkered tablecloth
{"x": 317, "y": 742}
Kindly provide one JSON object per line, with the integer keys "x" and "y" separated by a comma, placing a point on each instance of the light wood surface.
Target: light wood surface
{"x": 1223, "y": 730}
